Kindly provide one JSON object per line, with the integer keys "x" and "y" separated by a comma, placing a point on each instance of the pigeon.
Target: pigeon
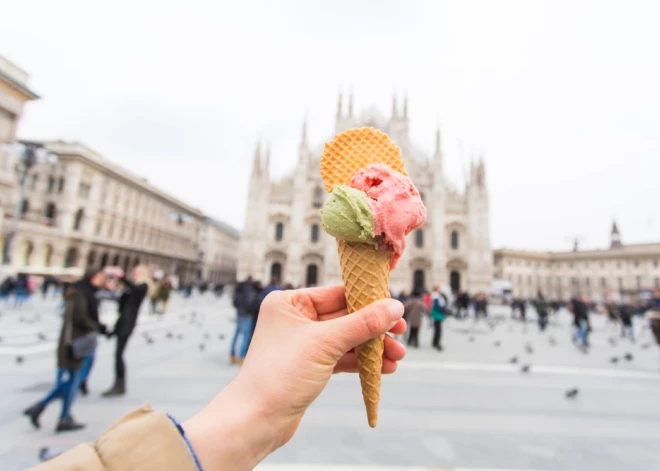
{"x": 207, "y": 335}
{"x": 221, "y": 336}
{"x": 19, "y": 359}
{"x": 513, "y": 360}
{"x": 150, "y": 340}
{"x": 525, "y": 368}
{"x": 612, "y": 341}
{"x": 614, "y": 360}
{"x": 41, "y": 336}
{"x": 529, "y": 349}
{"x": 498, "y": 343}
{"x": 552, "y": 341}
{"x": 572, "y": 393}
{"x": 180, "y": 336}
{"x": 169, "y": 335}
{"x": 202, "y": 346}
{"x": 628, "y": 356}
{"x": 471, "y": 339}
{"x": 646, "y": 346}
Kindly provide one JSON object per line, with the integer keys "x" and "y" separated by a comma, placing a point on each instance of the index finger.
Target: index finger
{"x": 326, "y": 299}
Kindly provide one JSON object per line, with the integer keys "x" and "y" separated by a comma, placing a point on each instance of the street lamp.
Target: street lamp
{"x": 29, "y": 154}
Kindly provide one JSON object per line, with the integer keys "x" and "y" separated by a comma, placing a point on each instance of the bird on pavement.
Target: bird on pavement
{"x": 498, "y": 343}
{"x": 628, "y": 356}
{"x": 180, "y": 336}
{"x": 529, "y": 349}
{"x": 221, "y": 336}
{"x": 612, "y": 341}
{"x": 202, "y": 346}
{"x": 19, "y": 359}
{"x": 552, "y": 341}
{"x": 525, "y": 368}
{"x": 513, "y": 360}
{"x": 169, "y": 335}
{"x": 41, "y": 336}
{"x": 614, "y": 360}
{"x": 572, "y": 393}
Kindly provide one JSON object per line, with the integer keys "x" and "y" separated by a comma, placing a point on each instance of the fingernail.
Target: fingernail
{"x": 395, "y": 308}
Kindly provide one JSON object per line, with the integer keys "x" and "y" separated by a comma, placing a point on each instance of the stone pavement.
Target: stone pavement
{"x": 465, "y": 408}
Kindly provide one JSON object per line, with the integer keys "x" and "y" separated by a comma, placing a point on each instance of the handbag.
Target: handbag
{"x": 81, "y": 346}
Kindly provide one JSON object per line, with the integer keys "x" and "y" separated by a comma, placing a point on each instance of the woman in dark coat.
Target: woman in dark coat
{"x": 414, "y": 314}
{"x": 80, "y": 319}
{"x": 129, "y": 307}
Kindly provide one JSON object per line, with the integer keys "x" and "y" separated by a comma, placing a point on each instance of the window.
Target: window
{"x": 636, "y": 263}
{"x": 60, "y": 185}
{"x": 314, "y": 236}
{"x": 51, "y": 184}
{"x": 31, "y": 182}
{"x": 25, "y": 207}
{"x": 419, "y": 238}
{"x": 602, "y": 264}
{"x": 603, "y": 282}
{"x": 638, "y": 280}
{"x": 51, "y": 213}
{"x": 317, "y": 198}
{"x": 84, "y": 190}
{"x": 454, "y": 240}
{"x": 587, "y": 282}
{"x": 620, "y": 282}
{"x": 279, "y": 231}
{"x": 618, "y": 264}
{"x": 78, "y": 219}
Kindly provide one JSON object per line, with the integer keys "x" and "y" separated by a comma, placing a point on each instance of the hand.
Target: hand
{"x": 301, "y": 339}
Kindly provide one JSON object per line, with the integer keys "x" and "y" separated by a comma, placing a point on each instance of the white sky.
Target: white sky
{"x": 562, "y": 96}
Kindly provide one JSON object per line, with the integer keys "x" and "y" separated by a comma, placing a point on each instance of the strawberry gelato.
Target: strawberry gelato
{"x": 395, "y": 203}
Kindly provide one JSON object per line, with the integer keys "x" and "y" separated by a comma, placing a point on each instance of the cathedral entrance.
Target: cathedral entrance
{"x": 455, "y": 281}
{"x": 418, "y": 281}
{"x": 311, "y": 277}
{"x": 276, "y": 271}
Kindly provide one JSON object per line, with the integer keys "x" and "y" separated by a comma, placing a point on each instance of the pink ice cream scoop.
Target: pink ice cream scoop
{"x": 395, "y": 205}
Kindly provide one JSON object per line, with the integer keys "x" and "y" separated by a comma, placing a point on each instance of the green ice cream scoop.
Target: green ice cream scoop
{"x": 347, "y": 215}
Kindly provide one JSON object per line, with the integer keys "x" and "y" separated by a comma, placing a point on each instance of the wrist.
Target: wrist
{"x": 232, "y": 432}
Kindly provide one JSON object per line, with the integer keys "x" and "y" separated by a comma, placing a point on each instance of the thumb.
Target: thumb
{"x": 369, "y": 322}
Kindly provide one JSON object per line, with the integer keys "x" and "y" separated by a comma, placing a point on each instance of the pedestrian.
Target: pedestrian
{"x": 7, "y": 288}
{"x": 578, "y": 307}
{"x": 75, "y": 349}
{"x": 154, "y": 289}
{"x": 244, "y": 298}
{"x": 626, "y": 318}
{"x": 133, "y": 293}
{"x": 414, "y": 314}
{"x": 438, "y": 315}
{"x": 522, "y": 307}
{"x": 542, "y": 311}
{"x": 260, "y": 410}
{"x": 164, "y": 291}
{"x": 21, "y": 290}
{"x": 403, "y": 297}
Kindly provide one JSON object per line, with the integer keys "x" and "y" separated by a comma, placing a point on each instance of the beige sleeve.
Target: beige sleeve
{"x": 144, "y": 439}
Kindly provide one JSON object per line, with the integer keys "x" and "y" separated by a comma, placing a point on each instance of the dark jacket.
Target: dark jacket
{"x": 79, "y": 310}
{"x": 129, "y": 307}
{"x": 246, "y": 297}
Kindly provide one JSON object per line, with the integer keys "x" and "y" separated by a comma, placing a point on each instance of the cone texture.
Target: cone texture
{"x": 366, "y": 274}
{"x": 354, "y": 149}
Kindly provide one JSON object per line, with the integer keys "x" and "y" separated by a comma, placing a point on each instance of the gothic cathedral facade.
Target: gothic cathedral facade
{"x": 283, "y": 238}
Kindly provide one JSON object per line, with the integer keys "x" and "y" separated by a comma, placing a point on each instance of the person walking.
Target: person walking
{"x": 626, "y": 318}
{"x": 75, "y": 349}
{"x": 438, "y": 314}
{"x": 414, "y": 314}
{"x": 244, "y": 299}
{"x": 129, "y": 305}
{"x": 578, "y": 307}
{"x": 164, "y": 291}
{"x": 542, "y": 311}
{"x": 154, "y": 289}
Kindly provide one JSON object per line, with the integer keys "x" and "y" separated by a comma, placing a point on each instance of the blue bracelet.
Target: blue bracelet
{"x": 191, "y": 450}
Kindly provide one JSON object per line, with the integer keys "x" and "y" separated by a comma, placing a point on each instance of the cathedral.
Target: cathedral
{"x": 283, "y": 237}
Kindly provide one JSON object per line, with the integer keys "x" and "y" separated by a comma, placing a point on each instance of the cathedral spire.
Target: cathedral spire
{"x": 256, "y": 161}
{"x": 394, "y": 111}
{"x": 303, "y": 136}
{"x": 267, "y": 162}
{"x": 615, "y": 236}
{"x": 350, "y": 104}
{"x": 339, "y": 106}
{"x": 405, "y": 106}
{"x": 437, "y": 142}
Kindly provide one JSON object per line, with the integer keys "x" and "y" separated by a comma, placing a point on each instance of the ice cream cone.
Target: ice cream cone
{"x": 365, "y": 269}
{"x": 366, "y": 274}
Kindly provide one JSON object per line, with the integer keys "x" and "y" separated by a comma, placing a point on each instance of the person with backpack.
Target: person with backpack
{"x": 438, "y": 315}
{"x": 246, "y": 297}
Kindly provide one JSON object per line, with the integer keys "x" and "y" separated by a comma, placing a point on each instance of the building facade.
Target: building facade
{"x": 80, "y": 210}
{"x": 283, "y": 238}
{"x": 617, "y": 272}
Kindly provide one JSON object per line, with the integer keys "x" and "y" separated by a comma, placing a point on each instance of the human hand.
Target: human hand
{"x": 301, "y": 339}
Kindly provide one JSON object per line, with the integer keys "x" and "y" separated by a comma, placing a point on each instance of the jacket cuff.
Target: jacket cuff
{"x": 144, "y": 439}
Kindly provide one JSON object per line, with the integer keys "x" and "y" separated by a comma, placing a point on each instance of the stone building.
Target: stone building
{"x": 283, "y": 237}
{"x": 81, "y": 210}
{"x": 618, "y": 271}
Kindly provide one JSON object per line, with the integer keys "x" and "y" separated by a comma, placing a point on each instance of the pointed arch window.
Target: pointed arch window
{"x": 317, "y": 198}
{"x": 279, "y": 231}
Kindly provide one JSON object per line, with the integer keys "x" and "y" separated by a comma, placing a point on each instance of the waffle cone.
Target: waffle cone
{"x": 366, "y": 274}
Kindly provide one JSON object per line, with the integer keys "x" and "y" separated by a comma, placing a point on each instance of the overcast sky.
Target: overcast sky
{"x": 563, "y": 97}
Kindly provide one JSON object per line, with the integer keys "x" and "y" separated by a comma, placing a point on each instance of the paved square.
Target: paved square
{"x": 465, "y": 408}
